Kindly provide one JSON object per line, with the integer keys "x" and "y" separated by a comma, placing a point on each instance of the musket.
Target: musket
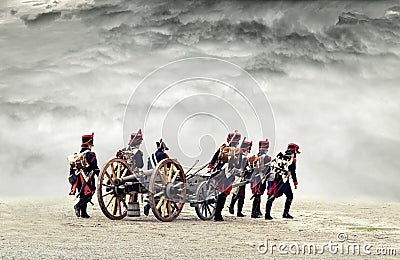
{"x": 264, "y": 178}
{"x": 201, "y": 168}
{"x": 239, "y": 181}
{"x": 191, "y": 167}
{"x": 233, "y": 137}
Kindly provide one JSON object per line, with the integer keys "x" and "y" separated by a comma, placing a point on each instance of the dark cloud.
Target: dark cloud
{"x": 330, "y": 70}
{"x": 40, "y": 19}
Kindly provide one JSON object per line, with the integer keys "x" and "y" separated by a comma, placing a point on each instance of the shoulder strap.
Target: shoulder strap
{"x": 134, "y": 151}
{"x": 83, "y": 154}
{"x": 153, "y": 160}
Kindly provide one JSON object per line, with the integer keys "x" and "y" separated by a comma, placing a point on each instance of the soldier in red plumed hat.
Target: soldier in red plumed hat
{"x": 82, "y": 177}
{"x": 284, "y": 166}
{"x": 223, "y": 156}
{"x": 260, "y": 177}
{"x": 240, "y": 192}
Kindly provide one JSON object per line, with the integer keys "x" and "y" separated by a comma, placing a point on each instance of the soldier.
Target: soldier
{"x": 85, "y": 181}
{"x": 152, "y": 161}
{"x": 239, "y": 192}
{"x": 260, "y": 176}
{"x": 133, "y": 146}
{"x": 158, "y": 156}
{"x": 217, "y": 167}
{"x": 134, "y": 157}
{"x": 280, "y": 185}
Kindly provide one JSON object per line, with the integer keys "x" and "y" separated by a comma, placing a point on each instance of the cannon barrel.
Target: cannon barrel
{"x": 123, "y": 180}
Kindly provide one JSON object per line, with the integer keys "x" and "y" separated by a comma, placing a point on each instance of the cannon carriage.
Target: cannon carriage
{"x": 167, "y": 186}
{"x": 202, "y": 195}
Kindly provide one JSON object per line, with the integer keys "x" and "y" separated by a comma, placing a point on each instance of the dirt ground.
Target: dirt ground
{"x": 48, "y": 228}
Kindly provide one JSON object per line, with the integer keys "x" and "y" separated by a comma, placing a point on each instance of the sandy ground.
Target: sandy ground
{"x": 48, "y": 228}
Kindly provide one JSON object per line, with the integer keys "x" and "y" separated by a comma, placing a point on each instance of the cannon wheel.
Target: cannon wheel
{"x": 206, "y": 197}
{"x": 112, "y": 204}
{"x": 168, "y": 190}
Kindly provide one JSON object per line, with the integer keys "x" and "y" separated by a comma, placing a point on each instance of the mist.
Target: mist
{"x": 329, "y": 70}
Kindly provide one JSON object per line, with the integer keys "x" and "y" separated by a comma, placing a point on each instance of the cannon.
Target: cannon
{"x": 202, "y": 195}
{"x": 118, "y": 185}
{"x": 167, "y": 186}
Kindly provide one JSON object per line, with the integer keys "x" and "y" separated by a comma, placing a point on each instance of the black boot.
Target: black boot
{"x": 240, "y": 207}
{"x": 256, "y": 203}
{"x": 146, "y": 202}
{"x": 287, "y": 208}
{"x": 232, "y": 205}
{"x": 268, "y": 207}
{"x": 83, "y": 210}
{"x": 146, "y": 209}
{"x": 259, "y": 207}
{"x": 220, "y": 205}
{"x": 77, "y": 210}
{"x": 287, "y": 215}
{"x": 254, "y": 213}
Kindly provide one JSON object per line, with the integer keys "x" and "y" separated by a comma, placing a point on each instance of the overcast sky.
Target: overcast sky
{"x": 329, "y": 70}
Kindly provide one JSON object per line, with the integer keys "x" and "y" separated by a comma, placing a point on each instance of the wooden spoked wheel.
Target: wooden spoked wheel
{"x": 206, "y": 198}
{"x": 112, "y": 200}
{"x": 168, "y": 190}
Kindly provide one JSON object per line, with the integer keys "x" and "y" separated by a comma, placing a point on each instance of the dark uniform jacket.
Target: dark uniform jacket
{"x": 86, "y": 187}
